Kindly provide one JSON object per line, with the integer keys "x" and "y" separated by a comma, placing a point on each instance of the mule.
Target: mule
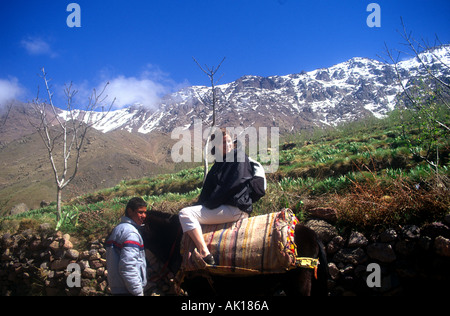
{"x": 162, "y": 235}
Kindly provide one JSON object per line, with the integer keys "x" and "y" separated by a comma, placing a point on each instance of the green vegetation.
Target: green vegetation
{"x": 369, "y": 171}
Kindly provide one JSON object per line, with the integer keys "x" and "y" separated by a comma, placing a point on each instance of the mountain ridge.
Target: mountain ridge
{"x": 323, "y": 97}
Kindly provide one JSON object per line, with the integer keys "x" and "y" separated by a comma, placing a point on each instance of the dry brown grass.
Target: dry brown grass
{"x": 375, "y": 203}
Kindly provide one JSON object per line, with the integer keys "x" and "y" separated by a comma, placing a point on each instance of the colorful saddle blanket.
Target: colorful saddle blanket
{"x": 255, "y": 245}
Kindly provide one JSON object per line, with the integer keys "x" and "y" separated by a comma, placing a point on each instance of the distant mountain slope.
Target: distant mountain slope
{"x": 107, "y": 159}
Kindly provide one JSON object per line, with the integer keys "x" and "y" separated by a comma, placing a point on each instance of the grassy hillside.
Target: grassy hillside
{"x": 26, "y": 175}
{"x": 370, "y": 171}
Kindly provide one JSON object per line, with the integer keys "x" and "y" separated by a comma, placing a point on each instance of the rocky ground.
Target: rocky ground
{"x": 407, "y": 260}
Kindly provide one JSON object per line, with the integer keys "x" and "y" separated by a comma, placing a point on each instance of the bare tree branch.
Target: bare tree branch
{"x": 427, "y": 97}
{"x": 410, "y": 43}
{"x": 210, "y": 72}
{"x": 68, "y": 134}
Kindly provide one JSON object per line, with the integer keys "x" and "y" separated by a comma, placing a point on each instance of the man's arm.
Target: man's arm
{"x": 129, "y": 265}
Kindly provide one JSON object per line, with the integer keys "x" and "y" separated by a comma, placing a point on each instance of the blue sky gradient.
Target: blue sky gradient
{"x": 145, "y": 48}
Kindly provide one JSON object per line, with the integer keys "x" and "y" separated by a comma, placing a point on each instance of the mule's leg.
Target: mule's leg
{"x": 307, "y": 246}
{"x": 298, "y": 282}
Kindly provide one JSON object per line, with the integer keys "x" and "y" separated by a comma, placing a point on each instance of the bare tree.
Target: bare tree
{"x": 426, "y": 97}
{"x": 209, "y": 100}
{"x": 64, "y": 137}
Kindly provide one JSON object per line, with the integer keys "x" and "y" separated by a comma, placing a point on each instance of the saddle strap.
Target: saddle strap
{"x": 307, "y": 263}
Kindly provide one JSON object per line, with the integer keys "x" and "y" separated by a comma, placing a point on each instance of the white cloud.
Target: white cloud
{"x": 37, "y": 46}
{"x": 131, "y": 90}
{"x": 10, "y": 89}
{"x": 147, "y": 89}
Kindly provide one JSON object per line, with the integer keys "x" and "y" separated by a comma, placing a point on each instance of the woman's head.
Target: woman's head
{"x": 225, "y": 146}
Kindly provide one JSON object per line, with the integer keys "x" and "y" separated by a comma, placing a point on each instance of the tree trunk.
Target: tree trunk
{"x": 58, "y": 203}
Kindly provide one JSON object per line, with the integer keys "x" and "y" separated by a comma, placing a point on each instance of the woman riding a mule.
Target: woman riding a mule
{"x": 226, "y": 194}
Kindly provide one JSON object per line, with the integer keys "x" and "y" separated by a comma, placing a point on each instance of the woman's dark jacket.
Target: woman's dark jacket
{"x": 227, "y": 183}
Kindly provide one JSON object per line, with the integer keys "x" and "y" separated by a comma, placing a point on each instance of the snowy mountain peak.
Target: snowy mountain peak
{"x": 327, "y": 96}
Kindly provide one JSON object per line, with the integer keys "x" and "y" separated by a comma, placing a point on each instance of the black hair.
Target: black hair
{"x": 134, "y": 204}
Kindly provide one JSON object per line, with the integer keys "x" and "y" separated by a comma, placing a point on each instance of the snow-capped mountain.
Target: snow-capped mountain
{"x": 327, "y": 96}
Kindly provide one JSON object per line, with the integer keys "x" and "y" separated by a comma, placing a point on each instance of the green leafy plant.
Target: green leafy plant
{"x": 68, "y": 217}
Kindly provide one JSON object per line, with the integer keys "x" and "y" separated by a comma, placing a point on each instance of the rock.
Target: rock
{"x": 19, "y": 209}
{"x": 333, "y": 270}
{"x": 382, "y": 252}
{"x": 324, "y": 230}
{"x": 435, "y": 229}
{"x": 103, "y": 285}
{"x": 357, "y": 240}
{"x": 87, "y": 291}
{"x": 60, "y": 264}
{"x": 335, "y": 244}
{"x": 442, "y": 246}
{"x": 94, "y": 255}
{"x": 84, "y": 264}
{"x": 67, "y": 245}
{"x": 54, "y": 246}
{"x": 353, "y": 256}
{"x": 84, "y": 255}
{"x": 89, "y": 273}
{"x": 44, "y": 204}
{"x": 411, "y": 231}
{"x": 327, "y": 214}
{"x": 95, "y": 264}
{"x": 101, "y": 272}
{"x": 388, "y": 236}
{"x": 72, "y": 254}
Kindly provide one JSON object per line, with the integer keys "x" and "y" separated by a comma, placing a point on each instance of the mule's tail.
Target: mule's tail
{"x": 320, "y": 285}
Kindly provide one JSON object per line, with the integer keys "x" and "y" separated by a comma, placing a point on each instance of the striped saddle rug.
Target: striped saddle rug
{"x": 255, "y": 245}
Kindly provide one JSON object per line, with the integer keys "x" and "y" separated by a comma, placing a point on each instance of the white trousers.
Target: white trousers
{"x": 193, "y": 216}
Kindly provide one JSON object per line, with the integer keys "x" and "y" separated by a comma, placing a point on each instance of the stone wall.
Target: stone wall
{"x": 410, "y": 261}
{"x": 35, "y": 263}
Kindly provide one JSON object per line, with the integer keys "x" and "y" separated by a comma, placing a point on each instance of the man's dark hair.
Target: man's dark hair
{"x": 134, "y": 204}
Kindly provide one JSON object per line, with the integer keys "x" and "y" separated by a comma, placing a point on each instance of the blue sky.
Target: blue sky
{"x": 145, "y": 48}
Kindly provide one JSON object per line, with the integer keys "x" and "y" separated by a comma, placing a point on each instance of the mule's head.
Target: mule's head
{"x": 306, "y": 241}
{"x": 162, "y": 236}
